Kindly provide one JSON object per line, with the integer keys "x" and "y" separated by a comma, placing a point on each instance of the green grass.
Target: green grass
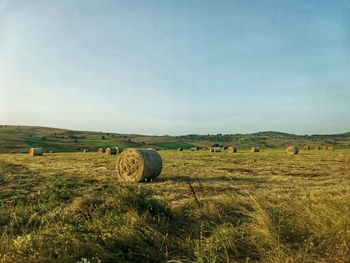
{"x": 172, "y": 145}
{"x": 205, "y": 207}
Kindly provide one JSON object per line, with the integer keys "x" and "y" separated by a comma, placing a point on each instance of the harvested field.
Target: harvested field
{"x": 203, "y": 208}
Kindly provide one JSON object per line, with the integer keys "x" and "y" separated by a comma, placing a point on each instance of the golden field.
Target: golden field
{"x": 205, "y": 207}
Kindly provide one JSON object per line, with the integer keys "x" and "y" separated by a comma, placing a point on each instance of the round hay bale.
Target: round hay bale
{"x": 307, "y": 147}
{"x": 215, "y": 149}
{"x": 180, "y": 149}
{"x": 292, "y": 150}
{"x": 193, "y": 149}
{"x": 255, "y": 149}
{"x": 36, "y": 151}
{"x": 101, "y": 150}
{"x": 232, "y": 149}
{"x": 113, "y": 150}
{"x": 139, "y": 165}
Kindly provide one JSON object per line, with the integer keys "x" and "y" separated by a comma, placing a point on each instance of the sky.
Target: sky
{"x": 176, "y": 66}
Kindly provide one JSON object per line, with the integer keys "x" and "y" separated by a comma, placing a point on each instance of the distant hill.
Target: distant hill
{"x": 14, "y": 139}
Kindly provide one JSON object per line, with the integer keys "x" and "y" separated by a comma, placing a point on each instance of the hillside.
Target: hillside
{"x": 19, "y": 138}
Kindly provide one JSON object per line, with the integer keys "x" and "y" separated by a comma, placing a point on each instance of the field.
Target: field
{"x": 205, "y": 207}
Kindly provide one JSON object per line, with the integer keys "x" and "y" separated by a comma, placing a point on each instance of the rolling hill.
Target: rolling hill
{"x": 16, "y": 139}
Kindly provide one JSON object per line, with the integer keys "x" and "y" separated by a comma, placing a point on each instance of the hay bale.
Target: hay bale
{"x": 36, "y": 151}
{"x": 232, "y": 149}
{"x": 307, "y": 147}
{"x": 255, "y": 149}
{"x": 318, "y": 148}
{"x": 193, "y": 149}
{"x": 113, "y": 150}
{"x": 292, "y": 150}
{"x": 101, "y": 150}
{"x": 139, "y": 165}
{"x": 330, "y": 148}
{"x": 180, "y": 149}
{"x": 215, "y": 149}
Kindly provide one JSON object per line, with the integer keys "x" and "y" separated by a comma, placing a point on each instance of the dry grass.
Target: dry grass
{"x": 204, "y": 207}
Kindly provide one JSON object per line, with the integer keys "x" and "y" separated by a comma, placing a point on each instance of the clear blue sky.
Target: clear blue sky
{"x": 176, "y": 67}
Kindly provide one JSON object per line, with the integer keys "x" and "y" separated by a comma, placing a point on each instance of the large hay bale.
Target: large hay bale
{"x": 101, "y": 150}
{"x": 36, "y": 151}
{"x": 180, "y": 149}
{"x": 215, "y": 149}
{"x": 139, "y": 165}
{"x": 232, "y": 149}
{"x": 307, "y": 147}
{"x": 292, "y": 150}
{"x": 255, "y": 149}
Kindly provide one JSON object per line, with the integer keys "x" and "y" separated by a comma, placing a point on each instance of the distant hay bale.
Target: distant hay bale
{"x": 215, "y": 149}
{"x": 100, "y": 150}
{"x": 307, "y": 147}
{"x": 113, "y": 150}
{"x": 180, "y": 149}
{"x": 36, "y": 151}
{"x": 330, "y": 148}
{"x": 318, "y": 148}
{"x": 232, "y": 149}
{"x": 255, "y": 149}
{"x": 139, "y": 165}
{"x": 292, "y": 150}
{"x": 193, "y": 149}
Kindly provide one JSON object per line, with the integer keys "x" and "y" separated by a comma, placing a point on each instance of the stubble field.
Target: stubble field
{"x": 205, "y": 207}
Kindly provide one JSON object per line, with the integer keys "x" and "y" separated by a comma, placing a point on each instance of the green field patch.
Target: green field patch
{"x": 172, "y": 145}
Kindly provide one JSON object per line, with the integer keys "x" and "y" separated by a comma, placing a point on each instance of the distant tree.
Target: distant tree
{"x": 107, "y": 134}
{"x": 103, "y": 137}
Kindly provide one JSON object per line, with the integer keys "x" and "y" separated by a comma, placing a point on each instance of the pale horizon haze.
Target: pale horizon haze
{"x": 176, "y": 67}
